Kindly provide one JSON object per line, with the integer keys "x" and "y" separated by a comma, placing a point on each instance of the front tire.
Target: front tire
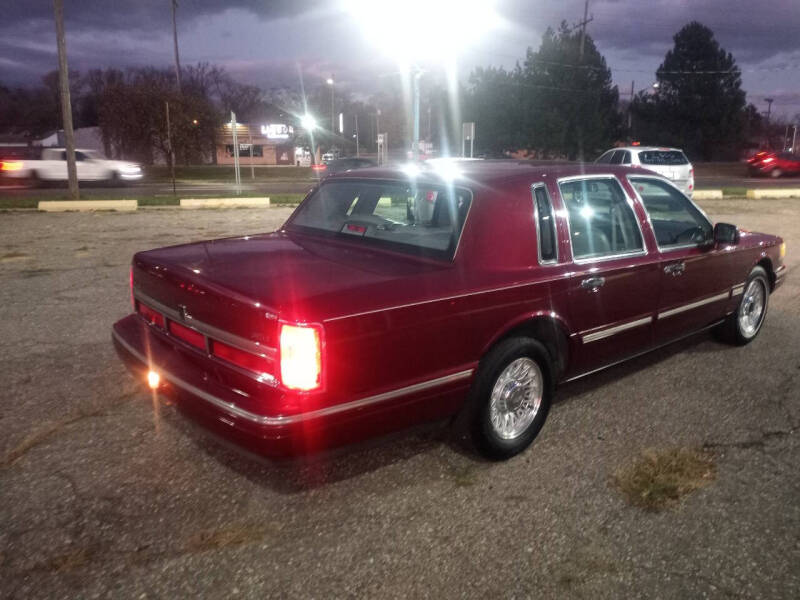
{"x": 510, "y": 397}
{"x": 743, "y": 325}
{"x": 775, "y": 173}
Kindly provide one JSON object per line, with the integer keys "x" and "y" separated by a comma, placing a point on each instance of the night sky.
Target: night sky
{"x": 262, "y": 41}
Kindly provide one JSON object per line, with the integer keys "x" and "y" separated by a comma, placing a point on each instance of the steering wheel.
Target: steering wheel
{"x": 693, "y": 234}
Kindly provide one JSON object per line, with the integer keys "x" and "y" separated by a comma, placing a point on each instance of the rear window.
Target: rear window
{"x": 662, "y": 157}
{"x": 409, "y": 217}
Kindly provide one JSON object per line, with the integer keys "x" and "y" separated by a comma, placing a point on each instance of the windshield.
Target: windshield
{"x": 662, "y": 157}
{"x": 410, "y": 217}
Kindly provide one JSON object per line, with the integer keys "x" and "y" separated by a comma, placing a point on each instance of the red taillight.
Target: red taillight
{"x": 240, "y": 358}
{"x": 130, "y": 282}
{"x": 318, "y": 167}
{"x": 301, "y": 357}
{"x": 190, "y": 336}
{"x": 11, "y": 165}
{"x": 150, "y": 315}
{"x": 767, "y": 160}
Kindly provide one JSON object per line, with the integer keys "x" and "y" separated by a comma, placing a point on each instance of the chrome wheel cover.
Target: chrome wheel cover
{"x": 751, "y": 308}
{"x": 516, "y": 398}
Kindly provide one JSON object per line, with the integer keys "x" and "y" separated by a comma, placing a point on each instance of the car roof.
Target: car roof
{"x": 490, "y": 173}
{"x": 648, "y": 148}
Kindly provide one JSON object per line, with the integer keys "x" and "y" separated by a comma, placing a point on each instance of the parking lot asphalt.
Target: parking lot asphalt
{"x": 108, "y": 492}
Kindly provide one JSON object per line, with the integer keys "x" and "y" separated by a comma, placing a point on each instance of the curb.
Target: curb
{"x": 706, "y": 194}
{"x": 774, "y": 193}
{"x": 193, "y": 203}
{"x": 87, "y": 205}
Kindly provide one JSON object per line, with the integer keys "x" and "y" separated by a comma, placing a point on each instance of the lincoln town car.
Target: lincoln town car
{"x": 462, "y": 291}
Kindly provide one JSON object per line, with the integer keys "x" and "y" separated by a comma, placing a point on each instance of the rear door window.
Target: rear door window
{"x": 601, "y": 220}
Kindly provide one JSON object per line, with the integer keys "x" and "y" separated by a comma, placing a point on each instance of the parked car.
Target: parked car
{"x": 395, "y": 296}
{"x": 668, "y": 162}
{"x": 331, "y": 155}
{"x": 343, "y": 164}
{"x": 774, "y": 164}
{"x": 51, "y": 166}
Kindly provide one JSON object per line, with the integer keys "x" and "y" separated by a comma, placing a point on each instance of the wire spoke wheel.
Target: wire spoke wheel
{"x": 515, "y": 399}
{"x": 751, "y": 308}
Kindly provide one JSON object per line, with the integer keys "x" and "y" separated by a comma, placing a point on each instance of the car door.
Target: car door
{"x": 613, "y": 283}
{"x": 695, "y": 277}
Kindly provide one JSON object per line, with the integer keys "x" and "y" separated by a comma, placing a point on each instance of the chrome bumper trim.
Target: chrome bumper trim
{"x": 275, "y": 421}
{"x": 737, "y": 289}
{"x": 599, "y": 335}
{"x": 691, "y": 305}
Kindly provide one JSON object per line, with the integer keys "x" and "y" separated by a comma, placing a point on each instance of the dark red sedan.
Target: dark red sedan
{"x": 469, "y": 289}
{"x": 774, "y": 164}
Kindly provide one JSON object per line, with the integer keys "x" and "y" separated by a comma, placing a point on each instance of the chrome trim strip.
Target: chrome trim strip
{"x": 642, "y": 353}
{"x": 780, "y": 272}
{"x": 599, "y": 335}
{"x": 737, "y": 289}
{"x": 208, "y": 330}
{"x": 237, "y": 411}
{"x": 691, "y": 305}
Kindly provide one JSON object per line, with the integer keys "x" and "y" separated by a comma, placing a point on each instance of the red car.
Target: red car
{"x": 469, "y": 289}
{"x": 773, "y": 164}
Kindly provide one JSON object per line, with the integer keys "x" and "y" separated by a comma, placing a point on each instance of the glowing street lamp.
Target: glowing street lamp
{"x": 431, "y": 32}
{"x": 308, "y": 122}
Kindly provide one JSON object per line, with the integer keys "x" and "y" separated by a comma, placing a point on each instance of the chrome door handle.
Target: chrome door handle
{"x": 675, "y": 269}
{"x": 592, "y": 283}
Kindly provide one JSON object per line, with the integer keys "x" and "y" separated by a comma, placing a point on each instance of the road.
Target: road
{"x": 205, "y": 188}
{"x": 106, "y": 491}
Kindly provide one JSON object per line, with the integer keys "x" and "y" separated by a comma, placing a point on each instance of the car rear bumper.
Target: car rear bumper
{"x": 219, "y": 407}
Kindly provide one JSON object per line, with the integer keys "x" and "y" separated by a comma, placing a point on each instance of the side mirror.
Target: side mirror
{"x": 725, "y": 233}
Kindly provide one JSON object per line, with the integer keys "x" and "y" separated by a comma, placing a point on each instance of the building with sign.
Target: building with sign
{"x": 263, "y": 144}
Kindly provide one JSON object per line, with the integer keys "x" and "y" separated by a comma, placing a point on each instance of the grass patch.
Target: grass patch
{"x": 226, "y": 537}
{"x": 734, "y": 191}
{"x": 659, "y": 479}
{"x": 14, "y": 202}
{"x": 225, "y": 173}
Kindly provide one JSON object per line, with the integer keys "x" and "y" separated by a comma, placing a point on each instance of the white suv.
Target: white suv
{"x": 668, "y": 162}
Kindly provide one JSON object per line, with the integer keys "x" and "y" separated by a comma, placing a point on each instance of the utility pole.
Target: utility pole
{"x": 250, "y": 143}
{"x": 583, "y": 27}
{"x": 356, "y": 117}
{"x": 171, "y": 150}
{"x": 769, "y": 102}
{"x": 175, "y": 39}
{"x": 66, "y": 104}
{"x": 630, "y": 105}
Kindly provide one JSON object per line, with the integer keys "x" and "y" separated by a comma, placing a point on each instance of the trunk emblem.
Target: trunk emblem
{"x": 184, "y": 313}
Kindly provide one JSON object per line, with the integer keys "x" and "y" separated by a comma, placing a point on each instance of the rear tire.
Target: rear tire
{"x": 742, "y": 326}
{"x": 510, "y": 397}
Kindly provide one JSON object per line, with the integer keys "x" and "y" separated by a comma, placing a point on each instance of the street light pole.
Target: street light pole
{"x": 331, "y": 82}
{"x": 415, "y": 114}
{"x": 175, "y": 40}
{"x": 66, "y": 104}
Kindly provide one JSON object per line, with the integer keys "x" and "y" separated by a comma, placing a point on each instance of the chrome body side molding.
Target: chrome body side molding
{"x": 280, "y": 420}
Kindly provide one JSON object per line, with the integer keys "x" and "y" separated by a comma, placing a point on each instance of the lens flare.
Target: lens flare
{"x": 153, "y": 379}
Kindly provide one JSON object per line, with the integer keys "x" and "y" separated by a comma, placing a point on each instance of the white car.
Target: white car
{"x": 667, "y": 162}
{"x": 52, "y": 167}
